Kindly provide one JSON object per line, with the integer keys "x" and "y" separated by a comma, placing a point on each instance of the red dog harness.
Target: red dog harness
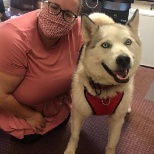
{"x": 103, "y": 106}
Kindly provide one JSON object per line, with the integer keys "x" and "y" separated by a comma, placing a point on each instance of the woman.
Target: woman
{"x": 38, "y": 54}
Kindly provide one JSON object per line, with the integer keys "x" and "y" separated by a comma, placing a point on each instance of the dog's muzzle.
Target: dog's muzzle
{"x": 123, "y": 66}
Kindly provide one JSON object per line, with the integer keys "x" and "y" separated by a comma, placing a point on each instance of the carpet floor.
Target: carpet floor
{"x": 137, "y": 136}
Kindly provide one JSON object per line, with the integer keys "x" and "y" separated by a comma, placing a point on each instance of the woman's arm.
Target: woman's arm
{"x": 8, "y": 102}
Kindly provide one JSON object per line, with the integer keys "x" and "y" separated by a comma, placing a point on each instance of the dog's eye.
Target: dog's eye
{"x": 105, "y": 45}
{"x": 128, "y": 42}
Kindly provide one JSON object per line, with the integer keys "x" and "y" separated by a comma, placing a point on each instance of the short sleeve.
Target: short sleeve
{"x": 13, "y": 50}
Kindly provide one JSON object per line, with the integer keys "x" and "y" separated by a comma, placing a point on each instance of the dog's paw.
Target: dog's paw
{"x": 69, "y": 152}
{"x": 110, "y": 150}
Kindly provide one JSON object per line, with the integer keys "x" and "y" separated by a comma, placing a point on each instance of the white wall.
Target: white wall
{"x": 146, "y": 33}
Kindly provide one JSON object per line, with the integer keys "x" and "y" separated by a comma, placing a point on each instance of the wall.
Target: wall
{"x": 6, "y": 3}
{"x": 146, "y": 33}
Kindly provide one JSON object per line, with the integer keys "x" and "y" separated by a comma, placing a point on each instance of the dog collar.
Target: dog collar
{"x": 103, "y": 106}
{"x": 98, "y": 87}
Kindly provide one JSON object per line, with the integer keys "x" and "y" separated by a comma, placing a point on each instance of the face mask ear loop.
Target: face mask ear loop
{"x": 91, "y": 6}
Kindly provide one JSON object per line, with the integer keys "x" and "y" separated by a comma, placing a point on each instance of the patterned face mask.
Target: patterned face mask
{"x": 53, "y": 26}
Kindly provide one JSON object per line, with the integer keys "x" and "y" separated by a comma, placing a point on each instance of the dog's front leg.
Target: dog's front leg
{"x": 115, "y": 125}
{"x": 76, "y": 124}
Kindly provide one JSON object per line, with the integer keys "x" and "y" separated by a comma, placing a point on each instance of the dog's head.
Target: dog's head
{"x": 112, "y": 51}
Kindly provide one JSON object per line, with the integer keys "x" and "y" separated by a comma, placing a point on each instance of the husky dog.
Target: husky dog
{"x": 103, "y": 80}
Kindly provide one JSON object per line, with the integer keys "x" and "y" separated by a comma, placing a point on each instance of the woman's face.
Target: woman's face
{"x": 57, "y": 17}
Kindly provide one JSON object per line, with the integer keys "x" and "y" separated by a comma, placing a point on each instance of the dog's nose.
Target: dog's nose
{"x": 123, "y": 61}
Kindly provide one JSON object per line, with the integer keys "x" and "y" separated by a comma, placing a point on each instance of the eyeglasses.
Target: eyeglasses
{"x": 54, "y": 9}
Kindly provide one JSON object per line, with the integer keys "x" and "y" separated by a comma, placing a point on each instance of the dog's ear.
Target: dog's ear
{"x": 89, "y": 28}
{"x": 133, "y": 23}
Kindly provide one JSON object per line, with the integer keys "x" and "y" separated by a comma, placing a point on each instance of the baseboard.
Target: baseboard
{"x": 147, "y": 66}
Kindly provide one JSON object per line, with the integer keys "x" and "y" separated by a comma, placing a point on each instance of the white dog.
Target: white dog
{"x": 103, "y": 81}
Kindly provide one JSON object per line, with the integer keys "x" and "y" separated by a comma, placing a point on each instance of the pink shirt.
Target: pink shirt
{"x": 48, "y": 73}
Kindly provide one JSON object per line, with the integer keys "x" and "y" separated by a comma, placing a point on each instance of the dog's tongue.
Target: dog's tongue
{"x": 122, "y": 75}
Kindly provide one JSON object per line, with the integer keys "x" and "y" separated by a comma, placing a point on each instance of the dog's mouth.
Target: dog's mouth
{"x": 120, "y": 76}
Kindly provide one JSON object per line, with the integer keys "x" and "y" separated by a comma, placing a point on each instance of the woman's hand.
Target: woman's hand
{"x": 37, "y": 122}
{"x": 9, "y": 103}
